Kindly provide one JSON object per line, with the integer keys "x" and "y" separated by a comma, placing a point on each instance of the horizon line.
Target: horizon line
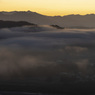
{"x": 49, "y": 15}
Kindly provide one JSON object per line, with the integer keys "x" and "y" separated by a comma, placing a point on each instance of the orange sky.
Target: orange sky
{"x": 50, "y": 7}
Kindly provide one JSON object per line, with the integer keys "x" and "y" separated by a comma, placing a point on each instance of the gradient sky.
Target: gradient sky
{"x": 50, "y": 7}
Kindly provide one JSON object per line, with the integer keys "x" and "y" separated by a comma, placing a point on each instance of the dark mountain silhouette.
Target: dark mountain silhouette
{"x": 9, "y": 24}
{"x": 57, "y": 27}
{"x": 71, "y": 21}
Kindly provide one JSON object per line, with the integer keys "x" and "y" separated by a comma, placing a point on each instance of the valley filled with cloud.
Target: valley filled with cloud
{"x": 57, "y": 59}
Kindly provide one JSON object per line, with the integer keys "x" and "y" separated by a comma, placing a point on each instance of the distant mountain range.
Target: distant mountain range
{"x": 70, "y": 21}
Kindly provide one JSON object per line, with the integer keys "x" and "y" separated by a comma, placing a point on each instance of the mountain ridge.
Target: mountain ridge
{"x": 10, "y": 24}
{"x": 63, "y": 21}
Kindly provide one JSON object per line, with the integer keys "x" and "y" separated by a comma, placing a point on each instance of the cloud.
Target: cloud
{"x": 47, "y": 56}
{"x": 47, "y": 39}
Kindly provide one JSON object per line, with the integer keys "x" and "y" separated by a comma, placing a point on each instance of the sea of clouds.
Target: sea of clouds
{"x": 47, "y": 55}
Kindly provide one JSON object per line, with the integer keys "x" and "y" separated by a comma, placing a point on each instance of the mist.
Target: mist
{"x": 49, "y": 47}
{"x": 46, "y": 57}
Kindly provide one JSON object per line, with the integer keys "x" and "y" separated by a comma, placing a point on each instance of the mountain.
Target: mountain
{"x": 9, "y": 24}
{"x": 70, "y": 21}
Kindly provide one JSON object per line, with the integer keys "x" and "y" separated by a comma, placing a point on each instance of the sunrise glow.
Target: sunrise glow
{"x": 50, "y": 7}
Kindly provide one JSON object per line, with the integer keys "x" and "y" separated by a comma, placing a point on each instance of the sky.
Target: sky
{"x": 50, "y": 7}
